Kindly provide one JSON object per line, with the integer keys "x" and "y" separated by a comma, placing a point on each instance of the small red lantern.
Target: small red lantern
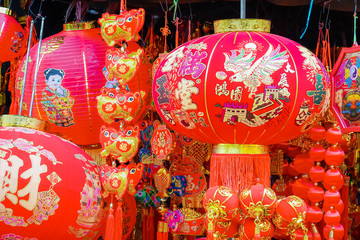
{"x": 316, "y": 173}
{"x": 249, "y": 229}
{"x": 339, "y": 206}
{"x": 333, "y": 232}
{"x": 12, "y": 37}
{"x": 332, "y": 217}
{"x": 332, "y": 196}
{"x": 317, "y": 133}
{"x": 161, "y": 141}
{"x": 334, "y": 156}
{"x": 317, "y": 153}
{"x": 314, "y": 214}
{"x": 70, "y": 78}
{"x": 333, "y": 178}
{"x": 303, "y": 163}
{"x": 46, "y": 192}
{"x": 258, "y": 202}
{"x": 316, "y": 194}
{"x": 290, "y": 214}
{"x": 301, "y": 187}
{"x": 221, "y": 204}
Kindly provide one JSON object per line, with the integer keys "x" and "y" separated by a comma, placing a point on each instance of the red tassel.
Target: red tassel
{"x": 119, "y": 221}
{"x": 257, "y": 235}
{"x": 110, "y": 223}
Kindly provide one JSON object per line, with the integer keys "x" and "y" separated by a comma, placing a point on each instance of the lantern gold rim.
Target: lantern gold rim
{"x": 224, "y": 148}
{"x": 74, "y": 26}
{"x": 242, "y": 25}
{"x": 6, "y": 11}
{"x": 23, "y": 121}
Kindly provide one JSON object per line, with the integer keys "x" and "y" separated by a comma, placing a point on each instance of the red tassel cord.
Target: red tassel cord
{"x": 119, "y": 221}
{"x": 110, "y": 222}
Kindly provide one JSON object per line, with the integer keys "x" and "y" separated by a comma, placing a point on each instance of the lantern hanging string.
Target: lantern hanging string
{"x": 189, "y": 22}
{"x": 355, "y": 18}
{"x": 308, "y": 19}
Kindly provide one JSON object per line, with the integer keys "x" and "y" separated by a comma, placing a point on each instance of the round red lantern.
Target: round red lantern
{"x": 301, "y": 187}
{"x": 339, "y": 206}
{"x": 332, "y": 217}
{"x": 46, "y": 192}
{"x": 333, "y": 135}
{"x": 315, "y": 194}
{"x": 258, "y": 202}
{"x": 241, "y": 87}
{"x": 69, "y": 79}
{"x": 317, "y": 133}
{"x": 333, "y": 232}
{"x": 12, "y": 37}
{"x": 334, "y": 156}
{"x": 316, "y": 173}
{"x": 314, "y": 214}
{"x": 221, "y": 204}
{"x": 303, "y": 163}
{"x": 317, "y": 153}
{"x": 333, "y": 178}
{"x": 290, "y": 214}
{"x": 332, "y": 196}
{"x": 249, "y": 229}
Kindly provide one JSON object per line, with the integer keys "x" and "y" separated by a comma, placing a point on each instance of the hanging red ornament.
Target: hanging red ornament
{"x": 114, "y": 180}
{"x": 161, "y": 141}
{"x": 317, "y": 153}
{"x": 339, "y": 206}
{"x": 333, "y": 178}
{"x": 225, "y": 230}
{"x": 258, "y": 202}
{"x": 162, "y": 179}
{"x": 333, "y": 232}
{"x": 293, "y": 151}
{"x": 332, "y": 196}
{"x": 291, "y": 170}
{"x": 301, "y": 234}
{"x": 316, "y": 173}
{"x": 316, "y": 194}
{"x": 334, "y": 156}
{"x": 332, "y": 217}
{"x": 317, "y": 133}
{"x": 122, "y": 27}
{"x": 12, "y": 37}
{"x": 314, "y": 214}
{"x": 333, "y": 135}
{"x": 252, "y": 229}
{"x": 47, "y": 192}
{"x": 301, "y": 187}
{"x": 303, "y": 163}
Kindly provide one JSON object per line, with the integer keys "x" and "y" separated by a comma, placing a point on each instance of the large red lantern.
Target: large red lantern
{"x": 46, "y": 192}
{"x": 12, "y": 36}
{"x": 241, "y": 87}
{"x": 69, "y": 79}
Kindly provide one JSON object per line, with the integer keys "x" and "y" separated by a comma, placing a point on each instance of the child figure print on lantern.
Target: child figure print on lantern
{"x": 56, "y": 100}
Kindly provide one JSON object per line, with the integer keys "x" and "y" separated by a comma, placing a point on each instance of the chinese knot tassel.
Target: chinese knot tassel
{"x": 119, "y": 221}
{"x": 110, "y": 223}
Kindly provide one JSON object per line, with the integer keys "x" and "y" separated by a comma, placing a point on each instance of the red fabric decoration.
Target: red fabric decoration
{"x": 317, "y": 153}
{"x": 303, "y": 163}
{"x": 47, "y": 192}
{"x": 332, "y": 217}
{"x": 301, "y": 187}
{"x": 161, "y": 141}
{"x": 249, "y": 230}
{"x": 334, "y": 156}
{"x": 333, "y": 178}
{"x": 332, "y": 196}
{"x": 317, "y": 133}
{"x": 317, "y": 173}
{"x": 339, "y": 206}
{"x": 12, "y": 37}
{"x": 316, "y": 194}
{"x": 314, "y": 214}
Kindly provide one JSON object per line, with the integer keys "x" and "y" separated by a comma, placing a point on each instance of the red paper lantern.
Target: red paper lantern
{"x": 316, "y": 194}
{"x": 317, "y": 133}
{"x": 303, "y": 163}
{"x": 161, "y": 141}
{"x": 314, "y": 214}
{"x": 337, "y": 206}
{"x": 248, "y": 229}
{"x": 333, "y": 232}
{"x": 291, "y": 170}
{"x": 46, "y": 192}
{"x": 258, "y": 202}
{"x": 333, "y": 135}
{"x": 241, "y": 87}
{"x": 301, "y": 187}
{"x": 332, "y": 196}
{"x": 332, "y": 217}
{"x": 317, "y": 153}
{"x": 316, "y": 173}
{"x": 333, "y": 178}
{"x": 290, "y": 214}
{"x": 70, "y": 78}
{"x": 334, "y": 156}
{"x": 221, "y": 204}
{"x": 12, "y": 37}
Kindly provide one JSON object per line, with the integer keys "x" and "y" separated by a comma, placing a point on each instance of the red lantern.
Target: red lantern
{"x": 250, "y": 230}
{"x": 332, "y": 196}
{"x": 316, "y": 173}
{"x": 47, "y": 193}
{"x": 332, "y": 217}
{"x": 333, "y": 178}
{"x": 301, "y": 187}
{"x": 225, "y": 230}
{"x": 317, "y": 133}
{"x": 303, "y": 163}
{"x": 316, "y": 194}
{"x": 300, "y": 234}
{"x": 258, "y": 202}
{"x": 334, "y": 156}
{"x": 161, "y": 141}
{"x": 69, "y": 80}
{"x": 291, "y": 170}
{"x": 290, "y": 214}
{"x": 317, "y": 153}
{"x": 334, "y": 232}
{"x": 12, "y": 37}
{"x": 314, "y": 214}
{"x": 241, "y": 87}
{"x": 337, "y": 206}
{"x": 221, "y": 204}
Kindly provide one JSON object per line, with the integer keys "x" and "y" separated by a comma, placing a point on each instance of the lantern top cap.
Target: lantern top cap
{"x": 74, "y": 26}
{"x": 242, "y": 25}
{"x": 225, "y": 148}
{"x": 6, "y": 11}
{"x": 23, "y": 121}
